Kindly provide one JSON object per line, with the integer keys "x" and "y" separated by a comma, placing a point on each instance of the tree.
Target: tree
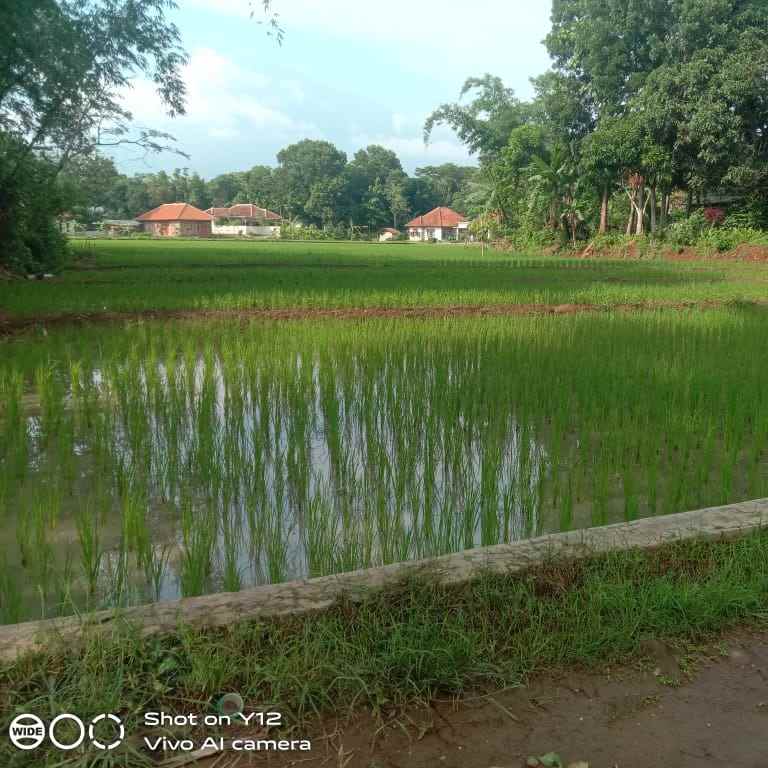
{"x": 56, "y": 107}
{"x": 447, "y": 182}
{"x": 485, "y": 123}
{"x": 556, "y": 177}
{"x": 395, "y": 196}
{"x": 223, "y": 189}
{"x": 612, "y": 149}
{"x": 610, "y": 46}
{"x": 365, "y": 178}
{"x": 91, "y": 183}
{"x": 301, "y": 167}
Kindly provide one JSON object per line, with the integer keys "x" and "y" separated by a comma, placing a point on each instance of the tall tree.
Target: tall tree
{"x": 301, "y": 167}
{"x": 484, "y": 124}
{"x": 54, "y": 106}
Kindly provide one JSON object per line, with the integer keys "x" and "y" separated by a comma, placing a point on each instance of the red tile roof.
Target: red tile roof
{"x": 439, "y": 217}
{"x": 244, "y": 211}
{"x": 175, "y": 212}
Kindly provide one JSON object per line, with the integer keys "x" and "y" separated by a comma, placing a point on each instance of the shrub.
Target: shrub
{"x": 714, "y": 216}
{"x": 687, "y": 231}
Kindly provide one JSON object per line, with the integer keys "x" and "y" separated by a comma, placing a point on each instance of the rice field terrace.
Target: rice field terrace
{"x": 148, "y": 460}
{"x": 139, "y": 275}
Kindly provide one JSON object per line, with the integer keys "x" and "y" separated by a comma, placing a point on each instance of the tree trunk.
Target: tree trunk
{"x": 689, "y": 203}
{"x": 664, "y": 209}
{"x": 631, "y": 220}
{"x": 604, "y": 211}
{"x": 640, "y": 229}
{"x": 653, "y": 209}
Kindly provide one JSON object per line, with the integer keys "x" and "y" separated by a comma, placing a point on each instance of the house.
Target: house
{"x": 245, "y": 219}
{"x": 176, "y": 220}
{"x": 439, "y": 224}
{"x": 120, "y": 226}
{"x": 388, "y": 233}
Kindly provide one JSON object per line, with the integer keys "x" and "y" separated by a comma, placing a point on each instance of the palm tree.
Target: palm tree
{"x": 557, "y": 180}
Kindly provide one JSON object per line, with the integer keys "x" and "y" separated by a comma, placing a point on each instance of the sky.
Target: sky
{"x": 352, "y": 72}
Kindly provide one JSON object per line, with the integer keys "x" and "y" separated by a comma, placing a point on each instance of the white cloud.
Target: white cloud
{"x": 412, "y": 151}
{"x": 222, "y": 98}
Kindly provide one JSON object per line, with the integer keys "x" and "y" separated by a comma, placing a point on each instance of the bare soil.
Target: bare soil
{"x": 667, "y": 710}
{"x": 10, "y": 324}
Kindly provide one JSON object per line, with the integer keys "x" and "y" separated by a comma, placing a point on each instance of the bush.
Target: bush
{"x": 727, "y": 239}
{"x": 687, "y": 231}
{"x": 30, "y": 240}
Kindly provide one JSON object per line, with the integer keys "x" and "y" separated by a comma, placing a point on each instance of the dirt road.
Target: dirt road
{"x": 665, "y": 711}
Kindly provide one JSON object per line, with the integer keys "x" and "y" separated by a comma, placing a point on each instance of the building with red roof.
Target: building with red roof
{"x": 245, "y": 219}
{"x": 439, "y": 224}
{"x": 176, "y": 220}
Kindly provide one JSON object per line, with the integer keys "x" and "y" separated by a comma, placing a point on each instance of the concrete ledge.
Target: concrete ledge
{"x": 296, "y": 598}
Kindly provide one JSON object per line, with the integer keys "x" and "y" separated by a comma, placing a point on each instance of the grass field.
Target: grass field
{"x": 146, "y": 458}
{"x": 136, "y": 275}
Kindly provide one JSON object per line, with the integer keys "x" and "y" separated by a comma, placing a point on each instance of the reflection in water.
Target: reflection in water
{"x": 150, "y": 462}
{"x": 199, "y": 473}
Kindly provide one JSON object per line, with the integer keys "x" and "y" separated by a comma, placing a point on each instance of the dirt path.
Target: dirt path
{"x": 638, "y": 717}
{"x": 10, "y": 324}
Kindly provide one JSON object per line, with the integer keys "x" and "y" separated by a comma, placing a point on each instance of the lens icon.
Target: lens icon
{"x": 120, "y": 730}
{"x": 26, "y": 731}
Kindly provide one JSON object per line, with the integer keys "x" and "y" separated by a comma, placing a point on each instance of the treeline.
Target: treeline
{"x": 313, "y": 182}
{"x": 651, "y": 107}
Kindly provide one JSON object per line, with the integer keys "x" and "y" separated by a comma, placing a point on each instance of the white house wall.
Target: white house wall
{"x": 245, "y": 229}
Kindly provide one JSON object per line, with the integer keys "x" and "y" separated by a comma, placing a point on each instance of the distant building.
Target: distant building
{"x": 176, "y": 220}
{"x": 245, "y": 219}
{"x": 120, "y": 226}
{"x": 439, "y": 224}
{"x": 388, "y": 233}
{"x": 68, "y": 224}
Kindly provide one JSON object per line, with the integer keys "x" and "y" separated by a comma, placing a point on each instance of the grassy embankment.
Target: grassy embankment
{"x": 405, "y": 647}
{"x": 139, "y": 275}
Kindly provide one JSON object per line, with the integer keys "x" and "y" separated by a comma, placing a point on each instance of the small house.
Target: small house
{"x": 439, "y": 224}
{"x": 245, "y": 219}
{"x": 176, "y": 220}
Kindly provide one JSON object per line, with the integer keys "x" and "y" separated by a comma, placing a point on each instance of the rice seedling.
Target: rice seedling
{"x": 175, "y": 459}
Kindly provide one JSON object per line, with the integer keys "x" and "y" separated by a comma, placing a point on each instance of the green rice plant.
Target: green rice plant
{"x": 11, "y": 600}
{"x": 88, "y": 533}
{"x": 154, "y": 558}
{"x": 198, "y": 529}
{"x": 260, "y": 452}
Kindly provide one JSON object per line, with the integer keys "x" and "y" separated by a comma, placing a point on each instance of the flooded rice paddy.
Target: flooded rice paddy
{"x": 149, "y": 461}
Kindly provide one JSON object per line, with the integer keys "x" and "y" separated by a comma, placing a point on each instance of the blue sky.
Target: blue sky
{"x": 353, "y": 72}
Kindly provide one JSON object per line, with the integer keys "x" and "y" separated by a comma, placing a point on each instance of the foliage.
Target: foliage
{"x": 714, "y": 215}
{"x": 647, "y": 98}
{"x": 687, "y": 230}
{"x": 485, "y": 123}
{"x": 29, "y": 209}
{"x": 54, "y": 108}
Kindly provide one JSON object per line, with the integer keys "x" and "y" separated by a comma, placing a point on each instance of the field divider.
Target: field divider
{"x": 14, "y": 324}
{"x": 305, "y": 596}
